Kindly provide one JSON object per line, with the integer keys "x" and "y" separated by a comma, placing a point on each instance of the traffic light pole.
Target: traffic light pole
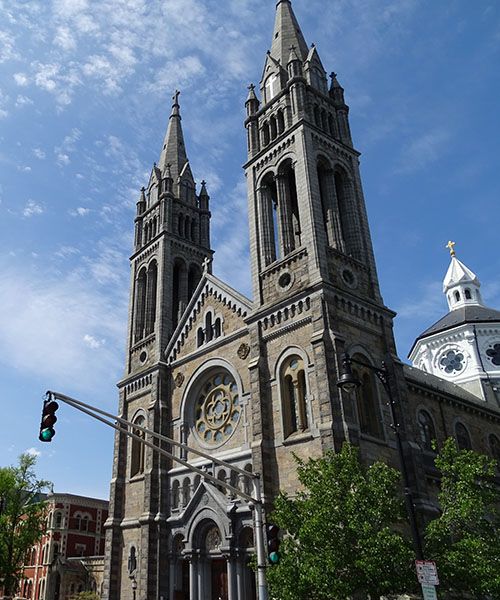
{"x": 127, "y": 428}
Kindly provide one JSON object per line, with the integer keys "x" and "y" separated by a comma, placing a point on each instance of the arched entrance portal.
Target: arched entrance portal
{"x": 212, "y": 570}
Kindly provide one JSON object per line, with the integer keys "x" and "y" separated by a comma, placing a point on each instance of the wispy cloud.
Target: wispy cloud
{"x": 423, "y": 150}
{"x": 79, "y": 212}
{"x": 32, "y": 208}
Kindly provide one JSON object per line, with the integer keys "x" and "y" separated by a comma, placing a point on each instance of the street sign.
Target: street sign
{"x": 427, "y": 572}
{"x": 429, "y": 592}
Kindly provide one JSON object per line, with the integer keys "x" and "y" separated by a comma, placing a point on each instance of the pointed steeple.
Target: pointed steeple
{"x": 460, "y": 285}
{"x": 174, "y": 150}
{"x": 287, "y": 33}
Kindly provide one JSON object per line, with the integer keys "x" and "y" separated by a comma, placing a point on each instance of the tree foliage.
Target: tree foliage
{"x": 341, "y": 540}
{"x": 85, "y": 596}
{"x": 465, "y": 539}
{"x": 22, "y": 518}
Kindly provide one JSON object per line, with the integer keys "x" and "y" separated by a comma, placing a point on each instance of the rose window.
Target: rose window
{"x": 452, "y": 362}
{"x": 218, "y": 409}
{"x": 493, "y": 353}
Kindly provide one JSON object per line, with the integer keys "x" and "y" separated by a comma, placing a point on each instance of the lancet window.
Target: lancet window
{"x": 145, "y": 301}
{"x": 367, "y": 403}
{"x": 293, "y": 396}
{"x": 462, "y": 436}
{"x": 138, "y": 449}
{"x": 426, "y": 430}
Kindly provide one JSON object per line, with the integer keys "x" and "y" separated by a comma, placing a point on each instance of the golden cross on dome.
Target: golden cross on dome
{"x": 451, "y": 247}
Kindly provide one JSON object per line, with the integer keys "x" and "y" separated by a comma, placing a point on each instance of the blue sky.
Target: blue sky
{"x": 85, "y": 95}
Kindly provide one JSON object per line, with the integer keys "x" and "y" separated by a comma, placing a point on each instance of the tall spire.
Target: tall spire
{"x": 174, "y": 150}
{"x": 287, "y": 33}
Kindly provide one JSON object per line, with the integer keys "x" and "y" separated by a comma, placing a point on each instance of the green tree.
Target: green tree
{"x": 22, "y": 518}
{"x": 85, "y": 596}
{"x": 340, "y": 537}
{"x": 465, "y": 539}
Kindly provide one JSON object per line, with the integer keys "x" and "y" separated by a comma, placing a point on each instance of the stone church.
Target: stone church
{"x": 254, "y": 381}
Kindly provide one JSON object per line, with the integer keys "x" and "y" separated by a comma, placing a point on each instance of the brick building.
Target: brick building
{"x": 255, "y": 381}
{"x": 70, "y": 556}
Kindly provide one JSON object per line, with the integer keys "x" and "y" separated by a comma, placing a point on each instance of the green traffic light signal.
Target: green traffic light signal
{"x": 48, "y": 421}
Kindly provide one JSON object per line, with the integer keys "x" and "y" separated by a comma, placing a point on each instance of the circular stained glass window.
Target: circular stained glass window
{"x": 493, "y": 353}
{"x": 452, "y": 362}
{"x": 217, "y": 410}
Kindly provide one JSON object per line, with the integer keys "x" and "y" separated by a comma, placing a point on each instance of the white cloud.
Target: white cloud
{"x": 92, "y": 342}
{"x": 50, "y": 324}
{"x": 79, "y": 212}
{"x": 33, "y": 452}
{"x": 65, "y": 39}
{"x": 20, "y": 79}
{"x": 7, "y": 46}
{"x": 32, "y": 208}
{"x": 39, "y": 153}
{"x": 66, "y": 251}
{"x": 423, "y": 150}
{"x": 23, "y": 100}
{"x": 62, "y": 159}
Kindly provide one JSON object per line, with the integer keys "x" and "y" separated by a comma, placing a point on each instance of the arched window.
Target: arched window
{"x": 266, "y": 135}
{"x": 288, "y": 209}
{"x": 180, "y": 224}
{"x": 200, "y": 337}
{"x": 187, "y": 228}
{"x": 274, "y": 127}
{"x": 194, "y": 277}
{"x": 175, "y": 494}
{"x": 468, "y": 295}
{"x": 186, "y": 491}
{"x": 217, "y": 328}
{"x": 180, "y": 289}
{"x": 494, "y": 447}
{"x": 194, "y": 237}
{"x": 55, "y": 551}
{"x": 341, "y": 185}
{"x": 137, "y": 451}
{"x": 331, "y": 126}
{"x": 293, "y": 396}
{"x": 85, "y": 522}
{"x": 152, "y": 282}
{"x": 457, "y": 296}
{"x": 370, "y": 420}
{"x": 197, "y": 481}
{"x": 317, "y": 117}
{"x": 427, "y": 433}
{"x": 209, "y": 330}
{"x": 140, "y": 304}
{"x": 271, "y": 87}
{"x": 325, "y": 181}
{"x": 281, "y": 122}
{"x": 58, "y": 520}
{"x": 462, "y": 436}
{"x": 324, "y": 121}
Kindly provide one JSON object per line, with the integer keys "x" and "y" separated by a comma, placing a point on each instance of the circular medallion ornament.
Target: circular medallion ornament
{"x": 349, "y": 278}
{"x": 179, "y": 380}
{"x": 243, "y": 351}
{"x": 217, "y": 409}
{"x": 452, "y": 362}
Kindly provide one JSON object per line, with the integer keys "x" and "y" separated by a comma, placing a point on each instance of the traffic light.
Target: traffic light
{"x": 48, "y": 421}
{"x": 273, "y": 543}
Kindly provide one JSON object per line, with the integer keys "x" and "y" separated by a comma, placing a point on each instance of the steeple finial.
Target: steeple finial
{"x": 173, "y": 153}
{"x": 287, "y": 33}
{"x": 451, "y": 247}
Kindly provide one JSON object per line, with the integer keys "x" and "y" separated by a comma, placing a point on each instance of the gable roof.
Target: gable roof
{"x": 209, "y": 285}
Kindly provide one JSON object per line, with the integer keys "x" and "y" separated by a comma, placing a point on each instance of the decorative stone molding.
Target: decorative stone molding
{"x": 179, "y": 380}
{"x": 275, "y": 152}
{"x": 243, "y": 351}
{"x": 139, "y": 384}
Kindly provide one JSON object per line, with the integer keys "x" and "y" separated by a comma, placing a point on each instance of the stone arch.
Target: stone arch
{"x": 293, "y": 390}
{"x": 268, "y": 222}
{"x": 347, "y": 210}
{"x": 368, "y": 406}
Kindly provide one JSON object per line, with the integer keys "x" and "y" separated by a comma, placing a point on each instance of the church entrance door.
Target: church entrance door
{"x": 219, "y": 579}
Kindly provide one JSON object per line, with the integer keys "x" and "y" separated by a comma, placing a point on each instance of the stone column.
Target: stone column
{"x": 285, "y": 214}
{"x": 202, "y": 587}
{"x": 172, "y": 578}
{"x": 266, "y": 225}
{"x": 231, "y": 588}
{"x": 240, "y": 579}
{"x": 193, "y": 578}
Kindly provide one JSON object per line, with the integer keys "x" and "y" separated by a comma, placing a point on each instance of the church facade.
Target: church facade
{"x": 253, "y": 382}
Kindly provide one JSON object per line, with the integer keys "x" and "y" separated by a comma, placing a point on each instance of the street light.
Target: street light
{"x": 348, "y": 382}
